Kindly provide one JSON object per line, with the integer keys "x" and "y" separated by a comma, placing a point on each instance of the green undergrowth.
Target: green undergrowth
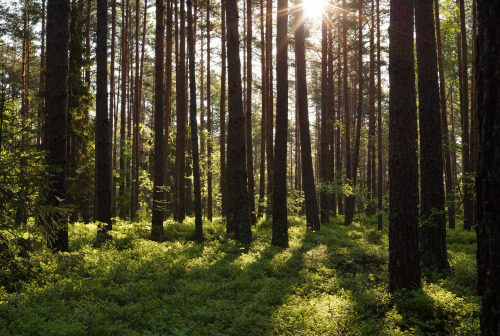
{"x": 332, "y": 282}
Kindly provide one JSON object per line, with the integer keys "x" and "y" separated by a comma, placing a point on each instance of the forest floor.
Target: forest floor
{"x": 332, "y": 282}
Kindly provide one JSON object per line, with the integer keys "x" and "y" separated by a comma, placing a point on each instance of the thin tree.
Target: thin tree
{"x": 464, "y": 111}
{"x": 238, "y": 216}
{"x": 194, "y": 125}
{"x": 248, "y": 117}
{"x": 312, "y": 217}
{"x": 370, "y": 210}
{"x": 123, "y": 102}
{"x": 222, "y": 115}
{"x": 262, "y": 166}
{"x": 180, "y": 148}
{"x": 209, "y": 124}
{"x": 379, "y": 126}
{"x": 404, "y": 258}
{"x": 158, "y": 194}
{"x": 323, "y": 172}
{"x": 487, "y": 183}
{"x": 102, "y": 143}
{"x": 432, "y": 216}
{"x": 347, "y": 117}
{"x": 280, "y": 226}
{"x": 112, "y": 101}
{"x": 444, "y": 122}
{"x": 55, "y": 118}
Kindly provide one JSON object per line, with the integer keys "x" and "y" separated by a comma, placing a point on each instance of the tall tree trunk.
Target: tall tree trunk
{"x": 194, "y": 126}
{"x": 380, "y": 177}
{"x": 347, "y": 119}
{"x": 464, "y": 110}
{"x": 55, "y": 118}
{"x": 168, "y": 101}
{"x": 134, "y": 194}
{"x": 123, "y": 102}
{"x": 338, "y": 155}
{"x": 323, "y": 171}
{"x": 312, "y": 217}
{"x": 488, "y": 184}
{"x": 238, "y": 216}
{"x": 209, "y": 124}
{"x": 158, "y": 194}
{"x": 248, "y": 118}
{"x": 102, "y": 143}
{"x": 404, "y": 258}
{"x": 444, "y": 123}
{"x": 42, "y": 79}
{"x": 280, "y": 225}
{"x": 222, "y": 116}
{"x": 331, "y": 121}
{"x": 432, "y": 216}
{"x": 112, "y": 103}
{"x": 269, "y": 102}
{"x": 350, "y": 200}
{"x": 370, "y": 210}
{"x": 262, "y": 167}
{"x": 181, "y": 120}
{"x": 474, "y": 137}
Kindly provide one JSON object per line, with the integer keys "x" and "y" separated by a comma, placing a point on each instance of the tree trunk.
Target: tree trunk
{"x": 262, "y": 167}
{"x": 380, "y": 177}
{"x": 168, "y": 103}
{"x": 280, "y": 225}
{"x": 222, "y": 116}
{"x": 158, "y": 194}
{"x": 112, "y": 103}
{"x": 464, "y": 110}
{"x": 102, "y": 143}
{"x": 194, "y": 125}
{"x": 404, "y": 258}
{"x": 269, "y": 102}
{"x": 123, "y": 102}
{"x": 312, "y": 217}
{"x": 347, "y": 119}
{"x": 209, "y": 124}
{"x": 55, "y": 119}
{"x": 488, "y": 184}
{"x": 323, "y": 171}
{"x": 238, "y": 216}
{"x": 370, "y": 210}
{"x": 432, "y": 216}
{"x": 444, "y": 123}
{"x": 181, "y": 121}
{"x": 248, "y": 118}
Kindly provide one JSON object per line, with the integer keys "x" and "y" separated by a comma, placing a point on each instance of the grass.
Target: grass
{"x": 332, "y": 282}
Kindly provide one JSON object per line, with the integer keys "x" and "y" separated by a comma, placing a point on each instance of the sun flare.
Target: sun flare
{"x": 313, "y": 8}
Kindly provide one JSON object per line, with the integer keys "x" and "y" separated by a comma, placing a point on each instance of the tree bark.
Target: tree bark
{"x": 280, "y": 225}
{"x": 238, "y": 216}
{"x": 209, "y": 124}
{"x": 222, "y": 116}
{"x": 158, "y": 194}
{"x": 323, "y": 171}
{"x": 488, "y": 184}
{"x": 312, "y": 217}
{"x": 102, "y": 143}
{"x": 194, "y": 126}
{"x": 432, "y": 216}
{"x": 55, "y": 118}
{"x": 404, "y": 258}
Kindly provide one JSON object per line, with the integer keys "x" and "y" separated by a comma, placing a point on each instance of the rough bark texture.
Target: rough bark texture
{"x": 248, "y": 119}
{"x": 312, "y": 217}
{"x": 102, "y": 145}
{"x": 444, "y": 123}
{"x": 432, "y": 216}
{"x": 55, "y": 117}
{"x": 488, "y": 178}
{"x": 280, "y": 228}
{"x": 323, "y": 171}
{"x": 238, "y": 216}
{"x": 194, "y": 127}
{"x": 209, "y": 124}
{"x": 379, "y": 127}
{"x": 158, "y": 194}
{"x": 347, "y": 119}
{"x": 262, "y": 166}
{"x": 180, "y": 167}
{"x": 404, "y": 259}
{"x": 222, "y": 116}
